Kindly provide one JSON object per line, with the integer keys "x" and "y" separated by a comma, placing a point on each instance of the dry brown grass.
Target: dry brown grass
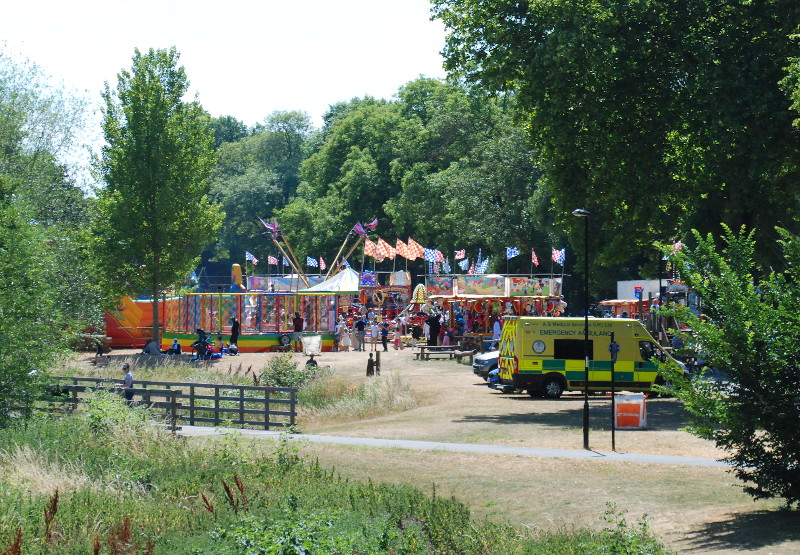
{"x": 696, "y": 510}
{"x": 32, "y": 471}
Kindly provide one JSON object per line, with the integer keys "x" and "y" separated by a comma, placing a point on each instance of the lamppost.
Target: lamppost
{"x": 581, "y": 213}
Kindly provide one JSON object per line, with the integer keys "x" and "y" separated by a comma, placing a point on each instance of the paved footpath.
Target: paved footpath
{"x": 606, "y": 456}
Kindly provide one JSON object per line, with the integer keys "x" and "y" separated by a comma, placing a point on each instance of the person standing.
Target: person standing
{"x": 434, "y": 326}
{"x": 385, "y": 336}
{"x": 297, "y": 326}
{"x": 373, "y": 335}
{"x": 235, "y": 327}
{"x": 127, "y": 384}
{"x": 496, "y": 331}
{"x": 361, "y": 331}
{"x": 399, "y": 332}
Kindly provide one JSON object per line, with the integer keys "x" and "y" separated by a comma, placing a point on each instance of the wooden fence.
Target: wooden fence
{"x": 201, "y": 403}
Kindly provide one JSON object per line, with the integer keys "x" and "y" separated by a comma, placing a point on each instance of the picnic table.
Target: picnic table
{"x": 426, "y": 352}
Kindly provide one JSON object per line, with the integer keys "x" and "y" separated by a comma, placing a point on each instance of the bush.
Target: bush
{"x": 749, "y": 331}
{"x": 281, "y": 371}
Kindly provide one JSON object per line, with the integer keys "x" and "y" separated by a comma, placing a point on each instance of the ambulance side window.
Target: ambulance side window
{"x": 647, "y": 349}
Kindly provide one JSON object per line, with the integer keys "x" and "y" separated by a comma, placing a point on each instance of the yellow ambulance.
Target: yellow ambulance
{"x": 545, "y": 356}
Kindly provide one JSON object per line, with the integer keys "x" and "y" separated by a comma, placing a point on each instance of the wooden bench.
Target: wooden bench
{"x": 437, "y": 354}
{"x": 438, "y": 351}
{"x": 461, "y": 354}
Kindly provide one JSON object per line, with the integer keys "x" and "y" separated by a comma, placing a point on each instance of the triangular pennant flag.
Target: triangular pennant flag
{"x": 415, "y": 250}
{"x": 369, "y": 248}
{"x": 401, "y": 249}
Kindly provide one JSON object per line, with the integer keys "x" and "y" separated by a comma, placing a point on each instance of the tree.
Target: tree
{"x": 155, "y": 214}
{"x": 750, "y": 330}
{"x": 31, "y": 331}
{"x": 51, "y": 291}
{"x": 227, "y": 129}
{"x": 256, "y": 176}
{"x": 656, "y": 116}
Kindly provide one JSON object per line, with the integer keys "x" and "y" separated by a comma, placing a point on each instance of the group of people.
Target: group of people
{"x": 346, "y": 338}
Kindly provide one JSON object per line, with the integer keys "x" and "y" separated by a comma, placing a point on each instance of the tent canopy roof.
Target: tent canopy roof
{"x": 345, "y": 282}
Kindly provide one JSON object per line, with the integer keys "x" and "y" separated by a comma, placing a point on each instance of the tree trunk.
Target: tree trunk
{"x": 156, "y": 292}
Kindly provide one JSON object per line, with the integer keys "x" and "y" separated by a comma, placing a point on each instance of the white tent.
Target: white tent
{"x": 345, "y": 282}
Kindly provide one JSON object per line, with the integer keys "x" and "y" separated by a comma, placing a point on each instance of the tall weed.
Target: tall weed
{"x": 329, "y": 400}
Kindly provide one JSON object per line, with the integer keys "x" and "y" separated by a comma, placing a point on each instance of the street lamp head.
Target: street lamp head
{"x": 581, "y": 213}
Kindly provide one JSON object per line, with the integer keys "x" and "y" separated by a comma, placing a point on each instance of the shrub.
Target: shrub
{"x": 281, "y": 371}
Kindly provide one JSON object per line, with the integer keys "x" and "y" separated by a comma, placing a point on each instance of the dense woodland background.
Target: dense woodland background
{"x": 658, "y": 119}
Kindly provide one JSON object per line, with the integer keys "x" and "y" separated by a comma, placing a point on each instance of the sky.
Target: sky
{"x": 244, "y": 58}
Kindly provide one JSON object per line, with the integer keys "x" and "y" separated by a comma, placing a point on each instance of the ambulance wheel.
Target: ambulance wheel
{"x": 553, "y": 387}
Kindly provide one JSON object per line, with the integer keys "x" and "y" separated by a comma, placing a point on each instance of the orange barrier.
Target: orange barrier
{"x": 631, "y": 412}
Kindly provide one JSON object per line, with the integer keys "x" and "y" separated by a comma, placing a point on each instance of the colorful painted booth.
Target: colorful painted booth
{"x": 265, "y": 317}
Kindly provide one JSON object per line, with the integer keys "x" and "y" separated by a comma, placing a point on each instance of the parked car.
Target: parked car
{"x": 484, "y": 363}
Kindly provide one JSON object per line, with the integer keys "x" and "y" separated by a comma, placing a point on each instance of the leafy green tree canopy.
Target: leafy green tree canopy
{"x": 155, "y": 213}
{"x": 749, "y": 331}
{"x": 656, "y": 116}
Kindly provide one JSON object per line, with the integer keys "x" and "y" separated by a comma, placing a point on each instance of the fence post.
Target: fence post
{"x": 173, "y": 406}
{"x": 191, "y": 405}
{"x": 74, "y": 394}
{"x": 293, "y": 398}
{"x": 266, "y": 408}
{"x": 241, "y": 406}
{"x": 216, "y": 405}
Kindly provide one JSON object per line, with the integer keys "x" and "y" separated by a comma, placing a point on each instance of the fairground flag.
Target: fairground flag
{"x": 249, "y": 256}
{"x": 435, "y": 267}
{"x": 401, "y": 249}
{"x": 346, "y": 264}
{"x": 484, "y": 266}
{"x": 480, "y": 258}
{"x": 439, "y": 256}
{"x": 446, "y": 266}
{"x": 273, "y": 227}
{"x": 676, "y": 247}
{"x": 369, "y": 248}
{"x": 430, "y": 255}
{"x": 471, "y": 270}
{"x": 272, "y": 260}
{"x": 312, "y": 262}
{"x": 372, "y": 225}
{"x": 385, "y": 249}
{"x": 511, "y": 252}
{"x": 322, "y": 265}
{"x": 358, "y": 228}
{"x": 464, "y": 264}
{"x": 460, "y": 254}
{"x": 415, "y": 250}
{"x": 533, "y": 258}
{"x": 286, "y": 262}
{"x": 559, "y": 256}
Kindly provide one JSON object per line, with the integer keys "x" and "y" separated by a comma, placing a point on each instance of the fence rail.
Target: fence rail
{"x": 243, "y": 405}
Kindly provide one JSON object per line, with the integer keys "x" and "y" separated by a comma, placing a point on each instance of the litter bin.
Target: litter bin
{"x": 631, "y": 411}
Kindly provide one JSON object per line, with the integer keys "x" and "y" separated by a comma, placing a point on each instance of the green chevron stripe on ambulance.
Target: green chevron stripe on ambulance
{"x": 545, "y": 356}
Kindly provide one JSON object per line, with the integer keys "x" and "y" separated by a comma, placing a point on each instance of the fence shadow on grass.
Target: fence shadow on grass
{"x": 745, "y": 532}
{"x": 140, "y": 360}
{"x": 662, "y": 414}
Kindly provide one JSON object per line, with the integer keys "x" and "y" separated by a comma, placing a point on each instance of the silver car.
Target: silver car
{"x": 484, "y": 363}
